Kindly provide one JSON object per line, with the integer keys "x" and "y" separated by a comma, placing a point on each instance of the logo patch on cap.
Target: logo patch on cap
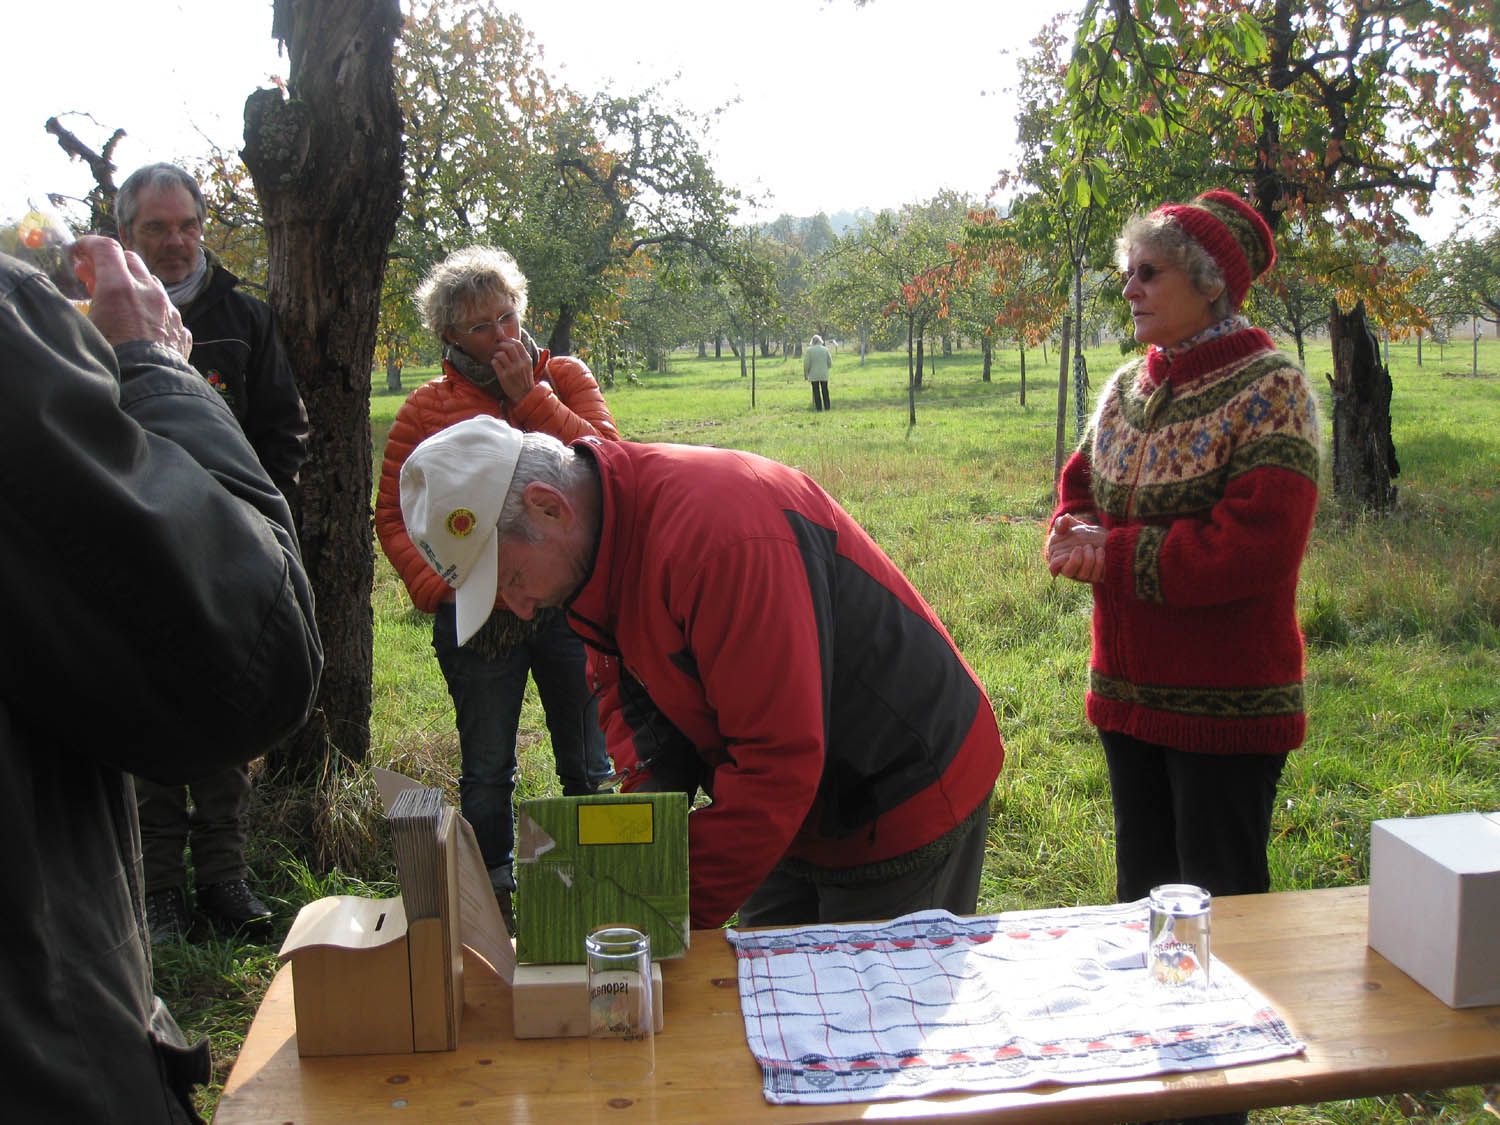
{"x": 461, "y": 522}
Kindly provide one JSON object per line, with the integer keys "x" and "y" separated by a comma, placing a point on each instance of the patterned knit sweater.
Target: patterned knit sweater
{"x": 1203, "y": 469}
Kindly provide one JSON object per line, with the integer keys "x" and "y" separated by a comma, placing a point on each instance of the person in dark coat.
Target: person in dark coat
{"x": 236, "y": 347}
{"x": 144, "y": 543}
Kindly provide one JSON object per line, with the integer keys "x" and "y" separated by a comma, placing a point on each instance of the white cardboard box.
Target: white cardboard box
{"x": 1435, "y": 903}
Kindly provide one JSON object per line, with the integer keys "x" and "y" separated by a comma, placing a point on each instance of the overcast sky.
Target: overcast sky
{"x": 830, "y": 106}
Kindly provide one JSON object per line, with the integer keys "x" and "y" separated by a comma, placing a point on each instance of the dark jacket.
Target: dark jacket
{"x": 158, "y": 621}
{"x": 237, "y": 348}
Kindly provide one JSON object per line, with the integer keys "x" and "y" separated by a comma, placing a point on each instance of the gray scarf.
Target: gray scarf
{"x": 482, "y": 374}
{"x": 186, "y": 291}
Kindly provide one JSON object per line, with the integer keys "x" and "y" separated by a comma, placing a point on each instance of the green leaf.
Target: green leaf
{"x": 1081, "y": 193}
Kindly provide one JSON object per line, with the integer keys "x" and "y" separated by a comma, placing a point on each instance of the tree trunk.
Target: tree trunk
{"x": 1023, "y": 374}
{"x": 326, "y": 163}
{"x": 561, "y": 340}
{"x": 913, "y": 376}
{"x": 987, "y": 351}
{"x": 1364, "y": 456}
{"x": 1062, "y": 397}
{"x": 392, "y": 375}
{"x": 920, "y": 362}
{"x": 1080, "y": 365}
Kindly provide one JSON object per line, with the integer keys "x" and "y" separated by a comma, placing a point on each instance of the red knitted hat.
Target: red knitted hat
{"x": 1232, "y": 232}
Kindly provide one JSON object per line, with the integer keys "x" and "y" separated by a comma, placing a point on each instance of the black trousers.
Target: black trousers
{"x": 820, "y": 394}
{"x": 214, "y": 828}
{"x": 1203, "y": 819}
{"x": 951, "y": 883}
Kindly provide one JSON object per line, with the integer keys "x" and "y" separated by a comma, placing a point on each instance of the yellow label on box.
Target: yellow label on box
{"x": 622, "y": 823}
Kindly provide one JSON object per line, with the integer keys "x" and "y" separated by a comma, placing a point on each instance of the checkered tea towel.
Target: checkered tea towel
{"x": 932, "y": 1003}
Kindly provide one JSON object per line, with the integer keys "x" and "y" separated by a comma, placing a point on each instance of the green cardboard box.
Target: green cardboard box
{"x": 611, "y": 859}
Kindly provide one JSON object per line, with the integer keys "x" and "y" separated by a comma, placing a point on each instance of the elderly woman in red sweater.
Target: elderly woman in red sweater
{"x": 1188, "y": 506}
{"x": 474, "y": 301}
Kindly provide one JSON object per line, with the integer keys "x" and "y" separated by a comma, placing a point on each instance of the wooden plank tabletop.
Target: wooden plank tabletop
{"x": 1369, "y": 1029}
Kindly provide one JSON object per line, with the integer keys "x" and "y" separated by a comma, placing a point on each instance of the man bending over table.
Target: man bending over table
{"x": 749, "y": 639}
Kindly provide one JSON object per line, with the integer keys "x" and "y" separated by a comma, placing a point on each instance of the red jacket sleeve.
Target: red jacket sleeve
{"x": 413, "y": 423}
{"x": 1075, "y": 494}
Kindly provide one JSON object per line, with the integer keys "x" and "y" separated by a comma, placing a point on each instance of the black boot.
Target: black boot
{"x": 233, "y": 909}
{"x": 167, "y": 916}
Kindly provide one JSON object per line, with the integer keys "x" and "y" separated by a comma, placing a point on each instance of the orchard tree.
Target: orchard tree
{"x": 325, "y": 154}
{"x": 904, "y": 261}
{"x": 847, "y": 293}
{"x": 1005, "y": 288}
{"x": 1293, "y": 300}
{"x": 1472, "y": 266}
{"x": 573, "y": 185}
{"x": 401, "y": 337}
{"x": 615, "y": 176}
{"x": 475, "y": 99}
{"x": 746, "y": 292}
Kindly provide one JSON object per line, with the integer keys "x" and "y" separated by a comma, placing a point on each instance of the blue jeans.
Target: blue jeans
{"x": 487, "y": 695}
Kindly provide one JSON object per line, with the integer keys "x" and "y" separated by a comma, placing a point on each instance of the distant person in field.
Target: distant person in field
{"x": 237, "y": 348}
{"x": 158, "y": 622}
{"x": 1188, "y": 506}
{"x": 816, "y": 363}
{"x": 751, "y": 640}
{"x": 474, "y": 302}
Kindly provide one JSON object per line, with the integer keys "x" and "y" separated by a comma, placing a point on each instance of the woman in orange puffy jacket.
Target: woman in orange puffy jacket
{"x": 474, "y": 301}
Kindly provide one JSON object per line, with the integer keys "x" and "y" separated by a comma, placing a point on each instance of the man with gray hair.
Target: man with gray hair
{"x": 160, "y": 213}
{"x": 751, "y": 640}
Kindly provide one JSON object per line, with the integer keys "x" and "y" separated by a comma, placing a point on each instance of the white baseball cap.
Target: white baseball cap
{"x": 453, "y": 486}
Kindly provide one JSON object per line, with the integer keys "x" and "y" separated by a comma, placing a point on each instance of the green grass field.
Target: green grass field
{"x": 1402, "y": 615}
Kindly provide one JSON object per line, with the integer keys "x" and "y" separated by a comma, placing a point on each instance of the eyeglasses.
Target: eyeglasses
{"x": 1146, "y": 272}
{"x": 504, "y": 323}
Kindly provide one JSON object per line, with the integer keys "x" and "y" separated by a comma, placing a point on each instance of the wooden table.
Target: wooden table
{"x": 1369, "y": 1029}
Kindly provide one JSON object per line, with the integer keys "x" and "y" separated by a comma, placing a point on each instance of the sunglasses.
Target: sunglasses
{"x": 1145, "y": 271}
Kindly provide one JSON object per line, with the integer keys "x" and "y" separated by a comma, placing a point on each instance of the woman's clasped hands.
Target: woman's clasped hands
{"x": 1075, "y": 549}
